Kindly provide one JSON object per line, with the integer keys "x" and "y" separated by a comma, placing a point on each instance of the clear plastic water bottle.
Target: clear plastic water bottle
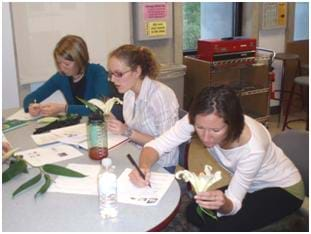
{"x": 107, "y": 190}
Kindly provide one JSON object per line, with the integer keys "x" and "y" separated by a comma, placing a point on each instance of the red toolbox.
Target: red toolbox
{"x": 225, "y": 49}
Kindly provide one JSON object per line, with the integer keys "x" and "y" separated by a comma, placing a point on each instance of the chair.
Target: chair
{"x": 183, "y": 148}
{"x": 303, "y": 82}
{"x": 286, "y": 58}
{"x": 295, "y": 145}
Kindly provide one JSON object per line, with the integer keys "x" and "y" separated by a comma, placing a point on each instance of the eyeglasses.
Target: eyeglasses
{"x": 117, "y": 75}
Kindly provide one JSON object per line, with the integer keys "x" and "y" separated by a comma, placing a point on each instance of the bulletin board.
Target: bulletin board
{"x": 39, "y": 26}
{"x": 153, "y": 21}
{"x": 274, "y": 15}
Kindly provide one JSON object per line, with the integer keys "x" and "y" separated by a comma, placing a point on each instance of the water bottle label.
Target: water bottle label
{"x": 108, "y": 184}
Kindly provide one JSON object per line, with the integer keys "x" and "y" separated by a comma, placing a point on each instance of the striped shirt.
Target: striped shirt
{"x": 154, "y": 111}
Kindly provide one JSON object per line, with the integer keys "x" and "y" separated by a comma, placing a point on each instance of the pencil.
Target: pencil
{"x": 136, "y": 166}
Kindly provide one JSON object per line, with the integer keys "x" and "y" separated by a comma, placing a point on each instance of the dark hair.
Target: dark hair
{"x": 72, "y": 48}
{"x": 222, "y": 101}
{"x": 135, "y": 56}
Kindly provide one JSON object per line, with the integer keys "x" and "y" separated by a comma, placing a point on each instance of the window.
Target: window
{"x": 301, "y": 28}
{"x": 206, "y": 20}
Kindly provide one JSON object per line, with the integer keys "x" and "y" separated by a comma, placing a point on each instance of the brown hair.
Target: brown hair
{"x": 223, "y": 101}
{"x": 72, "y": 48}
{"x": 135, "y": 56}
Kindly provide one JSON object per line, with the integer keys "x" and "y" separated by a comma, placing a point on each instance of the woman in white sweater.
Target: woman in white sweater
{"x": 265, "y": 184}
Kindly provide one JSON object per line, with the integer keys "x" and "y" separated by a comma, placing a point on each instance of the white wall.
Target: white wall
{"x": 10, "y": 92}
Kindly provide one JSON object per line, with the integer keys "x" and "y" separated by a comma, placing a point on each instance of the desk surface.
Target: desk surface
{"x": 71, "y": 212}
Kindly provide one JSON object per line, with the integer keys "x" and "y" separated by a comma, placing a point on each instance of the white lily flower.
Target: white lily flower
{"x": 200, "y": 182}
{"x": 105, "y": 106}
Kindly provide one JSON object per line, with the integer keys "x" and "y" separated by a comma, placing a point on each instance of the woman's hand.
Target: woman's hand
{"x": 137, "y": 180}
{"x": 6, "y": 147}
{"x": 34, "y": 109}
{"x": 52, "y": 109}
{"x": 212, "y": 200}
{"x": 115, "y": 126}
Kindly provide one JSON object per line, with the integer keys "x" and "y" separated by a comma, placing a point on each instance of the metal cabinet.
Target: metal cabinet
{"x": 249, "y": 79}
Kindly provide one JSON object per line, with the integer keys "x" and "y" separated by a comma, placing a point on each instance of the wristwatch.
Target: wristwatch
{"x": 128, "y": 132}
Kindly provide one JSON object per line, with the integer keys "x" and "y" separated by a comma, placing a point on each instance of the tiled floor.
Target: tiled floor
{"x": 274, "y": 128}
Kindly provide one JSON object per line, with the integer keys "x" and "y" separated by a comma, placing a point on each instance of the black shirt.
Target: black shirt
{"x": 78, "y": 89}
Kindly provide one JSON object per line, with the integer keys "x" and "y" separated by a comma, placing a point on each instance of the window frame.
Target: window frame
{"x": 236, "y": 26}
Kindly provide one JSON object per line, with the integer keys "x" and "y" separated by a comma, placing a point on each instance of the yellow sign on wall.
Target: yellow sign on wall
{"x": 156, "y": 28}
{"x": 274, "y": 15}
{"x": 282, "y": 14}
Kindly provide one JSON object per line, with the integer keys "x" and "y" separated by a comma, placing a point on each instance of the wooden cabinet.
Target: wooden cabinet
{"x": 251, "y": 81}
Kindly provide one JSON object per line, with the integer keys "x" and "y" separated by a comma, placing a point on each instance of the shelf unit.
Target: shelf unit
{"x": 250, "y": 79}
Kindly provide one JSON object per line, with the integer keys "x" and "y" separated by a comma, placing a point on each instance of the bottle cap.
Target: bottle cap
{"x": 106, "y": 162}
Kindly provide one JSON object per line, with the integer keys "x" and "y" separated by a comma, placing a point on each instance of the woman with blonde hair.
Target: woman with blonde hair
{"x": 149, "y": 106}
{"x": 76, "y": 77}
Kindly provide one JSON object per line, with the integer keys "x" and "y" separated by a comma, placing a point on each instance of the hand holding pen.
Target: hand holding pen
{"x": 140, "y": 176}
{"x": 34, "y": 108}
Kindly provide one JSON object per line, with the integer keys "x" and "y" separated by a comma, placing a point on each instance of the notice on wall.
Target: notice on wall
{"x": 274, "y": 15}
{"x": 155, "y": 29}
{"x": 153, "y": 21}
{"x": 155, "y": 11}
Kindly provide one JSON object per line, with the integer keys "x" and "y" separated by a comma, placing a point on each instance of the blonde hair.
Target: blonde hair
{"x": 135, "y": 56}
{"x": 72, "y": 48}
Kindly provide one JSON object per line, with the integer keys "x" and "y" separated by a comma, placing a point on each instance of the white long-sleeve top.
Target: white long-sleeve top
{"x": 154, "y": 111}
{"x": 255, "y": 165}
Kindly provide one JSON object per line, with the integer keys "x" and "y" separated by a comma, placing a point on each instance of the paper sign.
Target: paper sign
{"x": 155, "y": 11}
{"x": 157, "y": 28}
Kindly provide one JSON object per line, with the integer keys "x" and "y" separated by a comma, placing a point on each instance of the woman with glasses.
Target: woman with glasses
{"x": 265, "y": 185}
{"x": 149, "y": 106}
{"x": 76, "y": 77}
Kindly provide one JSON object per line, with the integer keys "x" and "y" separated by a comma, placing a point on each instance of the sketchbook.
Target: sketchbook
{"x": 22, "y": 115}
{"x": 75, "y": 136}
{"x": 52, "y": 154}
{"x": 146, "y": 196}
{"x": 127, "y": 192}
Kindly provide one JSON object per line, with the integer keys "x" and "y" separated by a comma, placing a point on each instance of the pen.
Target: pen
{"x": 136, "y": 166}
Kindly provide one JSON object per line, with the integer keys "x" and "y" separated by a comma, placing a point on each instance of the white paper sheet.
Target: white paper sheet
{"x": 45, "y": 138}
{"x": 129, "y": 193}
{"x": 21, "y": 115}
{"x": 74, "y": 135}
{"x": 86, "y": 185}
{"x": 49, "y": 154}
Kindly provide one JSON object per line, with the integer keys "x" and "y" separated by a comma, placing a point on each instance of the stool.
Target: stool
{"x": 285, "y": 57}
{"x": 303, "y": 82}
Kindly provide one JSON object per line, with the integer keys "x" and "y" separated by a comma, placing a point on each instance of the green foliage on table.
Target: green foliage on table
{"x": 14, "y": 170}
{"x": 63, "y": 171}
{"x": 91, "y": 106}
{"x": 18, "y": 165}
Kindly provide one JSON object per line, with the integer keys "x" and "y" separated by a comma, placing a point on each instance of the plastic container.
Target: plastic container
{"x": 97, "y": 137}
{"x": 107, "y": 190}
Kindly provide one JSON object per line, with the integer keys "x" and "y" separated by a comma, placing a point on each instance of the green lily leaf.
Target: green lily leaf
{"x": 27, "y": 184}
{"x": 15, "y": 161}
{"x": 47, "y": 120}
{"x": 89, "y": 105}
{"x": 63, "y": 171}
{"x": 45, "y": 186}
{"x": 210, "y": 213}
{"x": 14, "y": 169}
